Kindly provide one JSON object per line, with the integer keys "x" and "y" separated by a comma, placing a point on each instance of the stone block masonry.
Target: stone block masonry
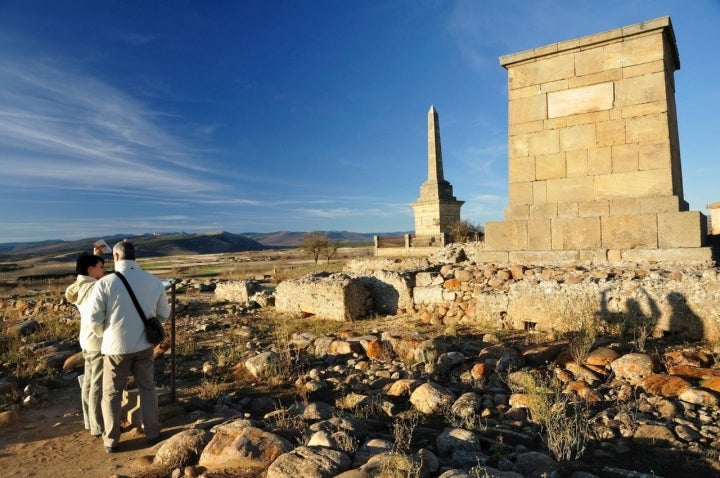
{"x": 334, "y": 297}
{"x": 593, "y": 151}
{"x": 544, "y": 298}
{"x": 237, "y": 291}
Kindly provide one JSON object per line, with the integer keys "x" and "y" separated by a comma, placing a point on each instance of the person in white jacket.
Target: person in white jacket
{"x": 125, "y": 347}
{"x": 89, "y": 269}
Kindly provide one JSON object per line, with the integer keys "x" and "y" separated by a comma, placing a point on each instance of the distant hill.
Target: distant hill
{"x": 292, "y": 239}
{"x": 174, "y": 243}
{"x": 159, "y": 244}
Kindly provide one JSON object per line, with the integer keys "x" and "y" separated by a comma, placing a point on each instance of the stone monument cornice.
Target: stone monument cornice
{"x": 597, "y": 39}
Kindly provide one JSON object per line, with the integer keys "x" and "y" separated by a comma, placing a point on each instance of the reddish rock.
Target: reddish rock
{"x": 601, "y": 357}
{"x": 404, "y": 345}
{"x": 603, "y": 371}
{"x": 583, "y": 390}
{"x": 657, "y": 435}
{"x": 712, "y": 383}
{"x": 664, "y": 385}
{"x": 452, "y": 284}
{"x": 692, "y": 358}
{"x": 478, "y": 370}
{"x": 378, "y": 350}
{"x": 693, "y": 372}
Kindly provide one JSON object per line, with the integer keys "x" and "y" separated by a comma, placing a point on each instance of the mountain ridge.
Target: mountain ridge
{"x": 175, "y": 243}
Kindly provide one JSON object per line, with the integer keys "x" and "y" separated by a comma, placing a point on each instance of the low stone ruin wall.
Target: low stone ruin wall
{"x": 683, "y": 301}
{"x": 561, "y": 298}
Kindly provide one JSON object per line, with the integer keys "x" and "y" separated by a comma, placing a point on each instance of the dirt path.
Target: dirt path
{"x": 51, "y": 441}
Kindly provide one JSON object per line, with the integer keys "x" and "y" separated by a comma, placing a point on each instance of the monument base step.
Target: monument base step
{"x": 695, "y": 256}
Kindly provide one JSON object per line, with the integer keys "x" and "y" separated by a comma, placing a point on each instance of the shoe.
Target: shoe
{"x": 111, "y": 449}
{"x": 153, "y": 441}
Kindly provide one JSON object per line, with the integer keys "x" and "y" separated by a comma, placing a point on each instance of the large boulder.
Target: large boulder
{"x": 309, "y": 461}
{"x": 243, "y": 447}
{"x": 182, "y": 449}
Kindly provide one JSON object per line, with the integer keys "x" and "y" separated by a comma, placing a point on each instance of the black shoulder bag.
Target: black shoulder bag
{"x": 153, "y": 328}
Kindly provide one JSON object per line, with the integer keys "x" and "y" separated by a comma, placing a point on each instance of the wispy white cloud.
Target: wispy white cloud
{"x": 390, "y": 210}
{"x": 61, "y": 125}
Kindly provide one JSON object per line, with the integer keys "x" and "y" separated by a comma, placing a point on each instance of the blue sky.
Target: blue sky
{"x": 260, "y": 115}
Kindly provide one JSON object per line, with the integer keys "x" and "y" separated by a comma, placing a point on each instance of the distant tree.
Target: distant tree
{"x": 464, "y": 231}
{"x": 331, "y": 250}
{"x": 315, "y": 244}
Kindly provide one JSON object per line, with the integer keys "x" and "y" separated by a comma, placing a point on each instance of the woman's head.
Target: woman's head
{"x": 90, "y": 265}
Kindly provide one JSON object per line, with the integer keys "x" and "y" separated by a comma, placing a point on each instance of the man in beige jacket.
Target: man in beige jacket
{"x": 124, "y": 344}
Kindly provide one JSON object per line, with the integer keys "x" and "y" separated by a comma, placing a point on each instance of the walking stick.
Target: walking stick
{"x": 172, "y": 342}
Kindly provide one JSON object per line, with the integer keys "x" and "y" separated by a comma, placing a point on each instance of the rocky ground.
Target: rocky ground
{"x": 261, "y": 395}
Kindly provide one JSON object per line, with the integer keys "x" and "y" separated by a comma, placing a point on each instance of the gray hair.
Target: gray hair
{"x": 124, "y": 250}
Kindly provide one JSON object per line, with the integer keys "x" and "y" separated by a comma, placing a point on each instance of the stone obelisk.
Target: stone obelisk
{"x": 436, "y": 209}
{"x": 435, "y": 166}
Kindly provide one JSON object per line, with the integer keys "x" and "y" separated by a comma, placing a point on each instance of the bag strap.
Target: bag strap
{"x": 132, "y": 296}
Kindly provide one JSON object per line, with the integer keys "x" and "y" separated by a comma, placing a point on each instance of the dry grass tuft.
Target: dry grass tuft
{"x": 566, "y": 426}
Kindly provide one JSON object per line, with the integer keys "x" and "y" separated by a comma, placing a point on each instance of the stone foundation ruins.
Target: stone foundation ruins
{"x": 682, "y": 300}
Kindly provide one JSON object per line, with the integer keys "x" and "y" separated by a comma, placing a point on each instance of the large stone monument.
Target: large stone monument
{"x": 436, "y": 209}
{"x": 714, "y": 226}
{"x": 594, "y": 154}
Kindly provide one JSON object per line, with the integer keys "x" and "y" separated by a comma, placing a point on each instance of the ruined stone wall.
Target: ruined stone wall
{"x": 683, "y": 301}
{"x": 680, "y": 300}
